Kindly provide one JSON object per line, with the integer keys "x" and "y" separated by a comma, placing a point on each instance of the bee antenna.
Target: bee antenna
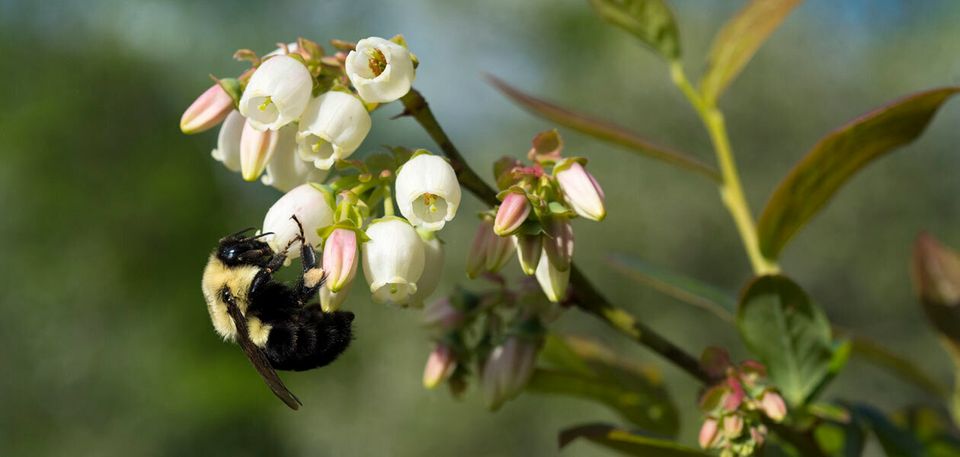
{"x": 237, "y": 235}
{"x": 260, "y": 235}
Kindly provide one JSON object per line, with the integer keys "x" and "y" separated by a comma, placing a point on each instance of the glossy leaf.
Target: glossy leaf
{"x": 626, "y": 441}
{"x": 738, "y": 40}
{"x": 649, "y": 20}
{"x": 836, "y": 158}
{"x": 681, "y": 287}
{"x": 603, "y": 130}
{"x": 788, "y": 333}
{"x": 585, "y": 369}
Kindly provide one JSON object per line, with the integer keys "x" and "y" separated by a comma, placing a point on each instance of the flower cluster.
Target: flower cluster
{"x": 537, "y": 203}
{"x": 497, "y": 334}
{"x": 297, "y": 111}
{"x": 733, "y": 407}
{"x": 296, "y": 116}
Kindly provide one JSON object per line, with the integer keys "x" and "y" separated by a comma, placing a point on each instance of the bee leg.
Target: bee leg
{"x": 266, "y": 273}
{"x": 312, "y": 277}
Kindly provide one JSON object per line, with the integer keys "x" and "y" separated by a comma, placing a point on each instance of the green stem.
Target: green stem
{"x": 731, "y": 191}
{"x": 388, "y": 202}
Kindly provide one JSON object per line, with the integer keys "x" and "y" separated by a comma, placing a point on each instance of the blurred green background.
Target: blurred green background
{"x": 108, "y": 212}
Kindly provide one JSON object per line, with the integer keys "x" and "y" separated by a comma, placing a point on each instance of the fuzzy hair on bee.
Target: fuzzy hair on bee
{"x": 273, "y": 322}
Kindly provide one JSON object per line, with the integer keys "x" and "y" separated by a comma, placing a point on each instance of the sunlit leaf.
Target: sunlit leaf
{"x": 603, "y": 130}
{"x": 649, "y": 20}
{"x": 789, "y": 334}
{"x": 836, "y": 158}
{"x": 626, "y": 441}
{"x": 739, "y": 39}
{"x": 681, "y": 287}
{"x": 585, "y": 369}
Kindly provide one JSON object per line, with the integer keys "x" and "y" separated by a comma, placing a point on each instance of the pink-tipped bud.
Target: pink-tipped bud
{"x": 529, "y": 248}
{"x": 440, "y": 365}
{"x": 207, "y": 111}
{"x": 735, "y": 397}
{"x": 512, "y": 212}
{"x": 442, "y": 315}
{"x": 256, "y": 149}
{"x": 558, "y": 242}
{"x": 581, "y": 190}
{"x": 733, "y": 426}
{"x": 936, "y": 277}
{"x": 477, "y": 256}
{"x": 499, "y": 251}
{"x": 708, "y": 433}
{"x": 340, "y": 258}
{"x": 508, "y": 369}
{"x": 773, "y": 406}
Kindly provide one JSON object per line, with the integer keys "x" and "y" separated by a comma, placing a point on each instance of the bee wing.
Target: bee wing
{"x": 258, "y": 358}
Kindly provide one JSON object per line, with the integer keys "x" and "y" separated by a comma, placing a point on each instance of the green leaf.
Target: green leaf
{"x": 585, "y": 369}
{"x": 603, "y": 130}
{"x": 896, "y": 442}
{"x": 738, "y": 41}
{"x": 840, "y": 439}
{"x": 789, "y": 334}
{"x": 649, "y": 20}
{"x": 681, "y": 287}
{"x": 836, "y": 158}
{"x": 626, "y": 441}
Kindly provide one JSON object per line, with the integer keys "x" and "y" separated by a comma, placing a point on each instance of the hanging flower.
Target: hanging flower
{"x": 228, "y": 141}
{"x": 380, "y": 70}
{"x": 552, "y": 280}
{"x": 442, "y": 315}
{"x": 432, "y": 268}
{"x": 440, "y": 365}
{"x": 330, "y": 301}
{"x": 428, "y": 192}
{"x": 256, "y": 149}
{"x": 511, "y": 213}
{"x": 340, "y": 258}
{"x": 393, "y": 260}
{"x": 286, "y": 170}
{"x": 529, "y": 249}
{"x": 311, "y": 206}
{"x": 208, "y": 110}
{"x": 581, "y": 190}
{"x": 558, "y": 242}
{"x": 333, "y": 126}
{"x": 507, "y": 370}
{"x": 277, "y": 93}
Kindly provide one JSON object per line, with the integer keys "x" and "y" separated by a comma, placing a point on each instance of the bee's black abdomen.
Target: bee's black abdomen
{"x": 310, "y": 339}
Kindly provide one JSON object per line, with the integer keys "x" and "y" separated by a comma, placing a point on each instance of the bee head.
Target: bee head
{"x": 239, "y": 249}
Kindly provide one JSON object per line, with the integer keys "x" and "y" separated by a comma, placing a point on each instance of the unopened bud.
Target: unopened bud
{"x": 440, "y": 365}
{"x": 207, "y": 111}
{"x": 340, "y": 258}
{"x": 477, "y": 256}
{"x": 558, "y": 242}
{"x": 708, "y": 433}
{"x": 442, "y": 315}
{"x": 256, "y": 149}
{"x": 936, "y": 274}
{"x": 529, "y": 249}
{"x": 512, "y": 212}
{"x": 581, "y": 190}
{"x": 553, "y": 281}
{"x": 732, "y": 426}
{"x": 499, "y": 251}
{"x": 330, "y": 301}
{"x": 773, "y": 406}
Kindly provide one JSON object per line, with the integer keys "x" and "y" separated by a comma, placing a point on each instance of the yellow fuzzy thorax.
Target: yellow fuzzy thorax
{"x": 237, "y": 279}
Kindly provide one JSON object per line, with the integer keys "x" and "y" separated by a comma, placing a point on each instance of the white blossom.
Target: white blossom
{"x": 311, "y": 206}
{"x": 393, "y": 260}
{"x": 381, "y": 70}
{"x": 432, "y": 269}
{"x": 427, "y": 191}
{"x": 333, "y": 126}
{"x": 228, "y": 141}
{"x": 286, "y": 169}
{"x": 277, "y": 93}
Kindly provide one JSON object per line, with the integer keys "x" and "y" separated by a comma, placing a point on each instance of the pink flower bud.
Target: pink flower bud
{"x": 207, "y": 111}
{"x": 758, "y": 434}
{"x": 529, "y": 248}
{"x": 512, "y": 212}
{"x": 440, "y": 365}
{"x": 733, "y": 426}
{"x": 507, "y": 370}
{"x": 442, "y": 315}
{"x": 477, "y": 256}
{"x": 558, "y": 242}
{"x": 340, "y": 258}
{"x": 735, "y": 397}
{"x": 708, "y": 433}
{"x": 256, "y": 149}
{"x": 581, "y": 190}
{"x": 936, "y": 278}
{"x": 773, "y": 406}
{"x": 499, "y": 250}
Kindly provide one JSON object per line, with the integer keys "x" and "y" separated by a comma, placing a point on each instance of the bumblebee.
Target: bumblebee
{"x": 270, "y": 320}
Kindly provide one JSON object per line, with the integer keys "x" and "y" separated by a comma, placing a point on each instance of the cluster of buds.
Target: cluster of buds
{"x": 497, "y": 334}
{"x": 734, "y": 407}
{"x": 297, "y": 111}
{"x": 297, "y": 115}
{"x": 538, "y": 202}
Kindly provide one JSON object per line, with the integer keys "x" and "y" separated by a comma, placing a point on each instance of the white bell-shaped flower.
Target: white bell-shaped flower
{"x": 313, "y": 208}
{"x": 277, "y": 93}
{"x": 432, "y": 268}
{"x": 428, "y": 192}
{"x": 393, "y": 260}
{"x": 333, "y": 126}
{"x": 228, "y": 141}
{"x": 286, "y": 169}
{"x": 381, "y": 70}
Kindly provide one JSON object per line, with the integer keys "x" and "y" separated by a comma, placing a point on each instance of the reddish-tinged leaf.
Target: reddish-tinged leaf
{"x": 603, "y": 130}
{"x": 649, "y": 20}
{"x": 739, "y": 40}
{"x": 837, "y": 157}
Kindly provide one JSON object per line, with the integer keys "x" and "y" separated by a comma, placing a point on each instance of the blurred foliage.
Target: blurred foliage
{"x": 109, "y": 212}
